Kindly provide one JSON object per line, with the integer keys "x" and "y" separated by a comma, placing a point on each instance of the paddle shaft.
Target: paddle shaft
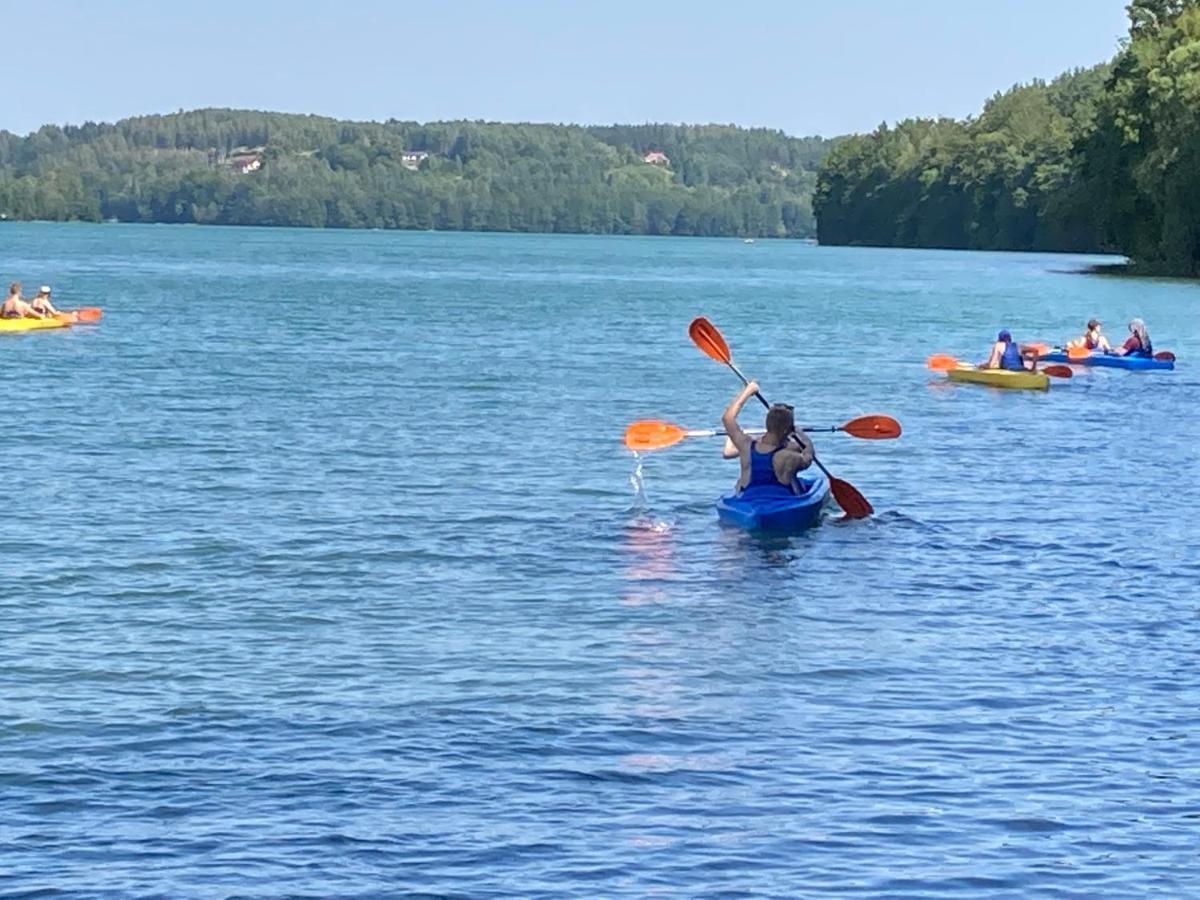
{"x": 745, "y": 381}
{"x": 711, "y": 432}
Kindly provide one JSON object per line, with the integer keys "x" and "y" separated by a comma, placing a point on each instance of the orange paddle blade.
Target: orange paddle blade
{"x": 1078, "y": 353}
{"x": 848, "y": 497}
{"x": 704, "y": 335}
{"x": 89, "y": 314}
{"x": 1058, "y": 371}
{"x": 652, "y": 435}
{"x": 873, "y": 428}
{"x": 941, "y": 362}
{"x": 1039, "y": 348}
{"x": 1165, "y": 356}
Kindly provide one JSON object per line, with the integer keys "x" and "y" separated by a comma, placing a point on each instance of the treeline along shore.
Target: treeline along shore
{"x": 239, "y": 167}
{"x": 1105, "y": 159}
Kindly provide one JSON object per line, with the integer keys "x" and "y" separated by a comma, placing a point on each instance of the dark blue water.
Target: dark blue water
{"x": 324, "y": 576}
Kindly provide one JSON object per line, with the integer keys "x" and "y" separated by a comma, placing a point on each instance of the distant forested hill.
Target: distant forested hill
{"x": 1106, "y": 159}
{"x": 241, "y": 167}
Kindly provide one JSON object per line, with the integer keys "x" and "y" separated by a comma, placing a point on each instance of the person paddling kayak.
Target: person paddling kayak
{"x": 16, "y": 308}
{"x": 770, "y": 463}
{"x": 1092, "y": 339}
{"x": 1007, "y": 355}
{"x": 41, "y": 303}
{"x": 1138, "y": 342}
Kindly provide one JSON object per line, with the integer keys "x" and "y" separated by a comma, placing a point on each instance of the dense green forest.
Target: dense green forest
{"x": 1103, "y": 159}
{"x": 242, "y": 167}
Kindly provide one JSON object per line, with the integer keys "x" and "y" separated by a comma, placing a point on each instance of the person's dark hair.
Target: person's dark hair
{"x": 781, "y": 420}
{"x": 14, "y": 288}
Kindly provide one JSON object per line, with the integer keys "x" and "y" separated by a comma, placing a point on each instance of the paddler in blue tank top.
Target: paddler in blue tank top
{"x": 1006, "y": 354}
{"x": 770, "y": 462}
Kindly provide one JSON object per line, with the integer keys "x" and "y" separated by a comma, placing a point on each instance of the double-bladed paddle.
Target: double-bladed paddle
{"x": 651, "y": 434}
{"x": 704, "y": 334}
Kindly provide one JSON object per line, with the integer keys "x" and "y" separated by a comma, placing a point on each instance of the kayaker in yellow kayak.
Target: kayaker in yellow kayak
{"x": 16, "y": 308}
{"x": 41, "y": 303}
{"x": 1092, "y": 338}
{"x": 770, "y": 463}
{"x": 1006, "y": 354}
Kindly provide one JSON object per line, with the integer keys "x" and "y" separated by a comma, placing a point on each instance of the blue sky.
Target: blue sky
{"x": 806, "y": 66}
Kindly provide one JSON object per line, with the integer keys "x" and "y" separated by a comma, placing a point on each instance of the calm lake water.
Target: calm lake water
{"x": 325, "y": 576}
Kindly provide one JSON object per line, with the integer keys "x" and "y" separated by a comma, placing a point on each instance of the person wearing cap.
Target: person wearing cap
{"x": 1138, "y": 342}
{"x": 16, "y": 308}
{"x": 770, "y": 463}
{"x": 1007, "y": 355}
{"x": 41, "y": 303}
{"x": 1092, "y": 338}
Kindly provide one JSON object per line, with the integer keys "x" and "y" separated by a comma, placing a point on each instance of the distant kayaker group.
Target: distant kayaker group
{"x": 14, "y": 307}
{"x": 1008, "y": 354}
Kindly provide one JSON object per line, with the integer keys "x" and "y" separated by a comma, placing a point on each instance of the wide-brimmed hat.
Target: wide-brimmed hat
{"x": 44, "y": 289}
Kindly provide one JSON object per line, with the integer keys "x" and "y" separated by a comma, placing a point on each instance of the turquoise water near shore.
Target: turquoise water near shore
{"x": 325, "y": 576}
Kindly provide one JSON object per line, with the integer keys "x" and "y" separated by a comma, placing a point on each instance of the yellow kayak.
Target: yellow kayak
{"x": 31, "y": 324}
{"x": 1001, "y": 378}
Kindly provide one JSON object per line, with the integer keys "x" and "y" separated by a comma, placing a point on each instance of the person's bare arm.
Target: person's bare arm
{"x": 797, "y": 457}
{"x": 737, "y": 437}
{"x": 730, "y": 450}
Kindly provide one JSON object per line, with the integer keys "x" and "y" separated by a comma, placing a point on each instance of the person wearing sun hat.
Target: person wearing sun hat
{"x": 1092, "y": 339}
{"x": 41, "y": 303}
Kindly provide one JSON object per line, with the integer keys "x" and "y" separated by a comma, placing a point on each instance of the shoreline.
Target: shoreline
{"x": 807, "y": 239}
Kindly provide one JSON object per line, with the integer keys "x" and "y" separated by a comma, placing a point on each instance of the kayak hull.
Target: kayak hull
{"x": 775, "y": 512}
{"x": 31, "y": 324}
{"x": 1105, "y": 361}
{"x": 1001, "y": 378}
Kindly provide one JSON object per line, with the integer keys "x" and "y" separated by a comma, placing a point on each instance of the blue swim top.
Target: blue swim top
{"x": 762, "y": 470}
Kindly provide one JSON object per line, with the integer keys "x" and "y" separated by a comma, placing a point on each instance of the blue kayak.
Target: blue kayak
{"x": 1105, "y": 360}
{"x": 775, "y": 511}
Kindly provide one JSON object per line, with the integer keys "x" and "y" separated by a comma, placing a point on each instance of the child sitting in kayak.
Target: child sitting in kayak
{"x": 1092, "y": 338}
{"x": 1138, "y": 342}
{"x": 41, "y": 303}
{"x": 16, "y": 308}
{"x": 770, "y": 463}
{"x": 1007, "y": 355}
